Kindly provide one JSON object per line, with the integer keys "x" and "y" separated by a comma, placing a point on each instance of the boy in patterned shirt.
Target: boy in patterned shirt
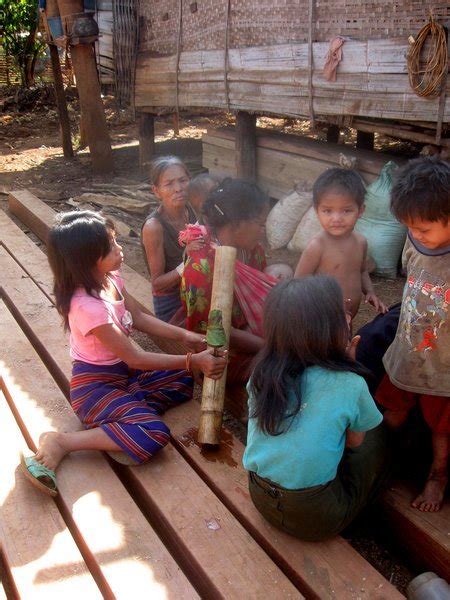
{"x": 418, "y": 361}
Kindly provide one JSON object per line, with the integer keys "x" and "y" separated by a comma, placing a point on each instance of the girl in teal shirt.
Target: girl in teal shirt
{"x": 316, "y": 453}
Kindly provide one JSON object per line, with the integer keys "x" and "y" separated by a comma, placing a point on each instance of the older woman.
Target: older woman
{"x": 170, "y": 179}
{"x": 236, "y": 214}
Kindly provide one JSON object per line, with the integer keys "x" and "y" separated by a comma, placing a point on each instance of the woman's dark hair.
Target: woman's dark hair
{"x": 421, "y": 190}
{"x": 304, "y": 325}
{"x": 234, "y": 200}
{"x": 347, "y": 181}
{"x": 77, "y": 240}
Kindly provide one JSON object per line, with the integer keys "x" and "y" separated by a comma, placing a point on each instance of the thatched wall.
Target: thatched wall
{"x": 269, "y": 22}
{"x": 260, "y": 63}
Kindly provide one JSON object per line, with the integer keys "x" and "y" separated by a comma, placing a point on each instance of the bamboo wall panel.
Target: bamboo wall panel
{"x": 372, "y": 81}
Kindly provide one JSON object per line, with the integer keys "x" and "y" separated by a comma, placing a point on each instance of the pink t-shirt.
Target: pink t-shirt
{"x": 86, "y": 313}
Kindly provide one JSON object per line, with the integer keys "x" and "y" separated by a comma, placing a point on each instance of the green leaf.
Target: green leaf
{"x": 215, "y": 334}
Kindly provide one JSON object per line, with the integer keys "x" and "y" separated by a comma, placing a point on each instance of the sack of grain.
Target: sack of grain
{"x": 385, "y": 235}
{"x": 285, "y": 216}
{"x": 308, "y": 227}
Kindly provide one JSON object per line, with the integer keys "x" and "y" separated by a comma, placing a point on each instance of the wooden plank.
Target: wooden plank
{"x": 41, "y": 554}
{"x": 91, "y": 495}
{"x": 372, "y": 81}
{"x": 425, "y": 536}
{"x": 292, "y": 554}
{"x": 325, "y": 569}
{"x": 18, "y": 244}
{"x": 218, "y": 553}
{"x": 39, "y": 217}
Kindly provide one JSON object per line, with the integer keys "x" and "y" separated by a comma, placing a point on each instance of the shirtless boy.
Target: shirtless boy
{"x": 338, "y": 198}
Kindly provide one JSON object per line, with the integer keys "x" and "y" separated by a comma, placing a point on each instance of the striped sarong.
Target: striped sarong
{"x": 127, "y": 404}
{"x": 167, "y": 305}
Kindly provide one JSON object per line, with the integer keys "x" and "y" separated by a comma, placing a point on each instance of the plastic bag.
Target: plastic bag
{"x": 385, "y": 235}
{"x": 284, "y": 218}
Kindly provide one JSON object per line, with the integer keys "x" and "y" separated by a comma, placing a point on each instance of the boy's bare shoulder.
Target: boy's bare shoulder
{"x": 316, "y": 243}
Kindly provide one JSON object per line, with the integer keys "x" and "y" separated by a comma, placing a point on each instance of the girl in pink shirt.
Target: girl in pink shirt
{"x": 117, "y": 389}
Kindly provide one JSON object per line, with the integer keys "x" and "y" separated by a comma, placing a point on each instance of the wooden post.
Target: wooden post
{"x": 83, "y": 143}
{"x": 364, "y": 139}
{"x": 213, "y": 393}
{"x": 61, "y": 102}
{"x": 333, "y": 133}
{"x": 245, "y": 148}
{"x": 146, "y": 138}
{"x": 88, "y": 86}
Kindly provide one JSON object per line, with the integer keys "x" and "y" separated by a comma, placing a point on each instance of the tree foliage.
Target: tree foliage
{"x": 19, "y": 21}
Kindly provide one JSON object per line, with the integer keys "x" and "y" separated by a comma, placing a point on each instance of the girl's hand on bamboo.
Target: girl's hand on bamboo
{"x": 212, "y": 366}
{"x": 195, "y": 342}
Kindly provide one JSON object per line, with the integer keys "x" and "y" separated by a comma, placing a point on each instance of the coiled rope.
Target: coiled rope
{"x": 428, "y": 76}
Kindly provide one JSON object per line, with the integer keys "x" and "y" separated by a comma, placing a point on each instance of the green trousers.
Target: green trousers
{"x": 320, "y": 512}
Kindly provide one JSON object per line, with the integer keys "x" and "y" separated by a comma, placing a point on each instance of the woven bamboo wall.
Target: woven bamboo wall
{"x": 270, "y": 22}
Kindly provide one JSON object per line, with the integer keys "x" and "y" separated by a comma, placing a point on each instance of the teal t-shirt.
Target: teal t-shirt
{"x": 309, "y": 452}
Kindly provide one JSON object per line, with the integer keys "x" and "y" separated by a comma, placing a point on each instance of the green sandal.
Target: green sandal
{"x": 39, "y": 475}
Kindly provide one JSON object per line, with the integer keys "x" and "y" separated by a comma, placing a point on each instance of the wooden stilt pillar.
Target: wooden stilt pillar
{"x": 88, "y": 86}
{"x": 245, "y": 149}
{"x": 83, "y": 133}
{"x": 146, "y": 139}
{"x": 333, "y": 133}
{"x": 61, "y": 102}
{"x": 365, "y": 139}
{"x": 213, "y": 392}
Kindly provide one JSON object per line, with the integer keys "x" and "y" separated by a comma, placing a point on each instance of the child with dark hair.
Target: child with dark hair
{"x": 199, "y": 189}
{"x": 315, "y": 453}
{"x": 117, "y": 390}
{"x": 418, "y": 361}
{"x": 235, "y": 214}
{"x": 338, "y": 198}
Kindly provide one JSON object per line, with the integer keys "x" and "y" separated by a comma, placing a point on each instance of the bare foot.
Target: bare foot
{"x": 51, "y": 449}
{"x": 433, "y": 493}
{"x": 395, "y": 418}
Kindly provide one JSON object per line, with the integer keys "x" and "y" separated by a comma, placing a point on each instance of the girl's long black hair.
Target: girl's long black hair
{"x": 304, "y": 325}
{"x": 76, "y": 241}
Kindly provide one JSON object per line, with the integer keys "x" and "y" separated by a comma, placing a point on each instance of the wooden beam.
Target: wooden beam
{"x": 245, "y": 153}
{"x": 318, "y": 569}
{"x": 230, "y": 484}
{"x": 88, "y": 86}
{"x": 39, "y": 217}
{"x": 37, "y": 545}
{"x": 216, "y": 552}
{"x": 424, "y": 536}
{"x": 61, "y": 104}
{"x": 91, "y": 497}
{"x": 146, "y": 139}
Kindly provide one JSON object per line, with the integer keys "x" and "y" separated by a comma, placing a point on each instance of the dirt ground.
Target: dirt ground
{"x": 31, "y": 157}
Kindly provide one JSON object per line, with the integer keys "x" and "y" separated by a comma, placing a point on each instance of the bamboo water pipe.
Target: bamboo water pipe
{"x": 213, "y": 393}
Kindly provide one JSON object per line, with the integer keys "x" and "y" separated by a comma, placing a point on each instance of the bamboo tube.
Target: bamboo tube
{"x": 213, "y": 393}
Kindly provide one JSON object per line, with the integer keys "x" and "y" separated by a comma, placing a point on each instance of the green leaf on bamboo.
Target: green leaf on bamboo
{"x": 215, "y": 334}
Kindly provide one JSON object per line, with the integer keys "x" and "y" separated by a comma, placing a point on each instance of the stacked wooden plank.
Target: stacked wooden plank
{"x": 372, "y": 81}
{"x": 198, "y": 505}
{"x": 286, "y": 161}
